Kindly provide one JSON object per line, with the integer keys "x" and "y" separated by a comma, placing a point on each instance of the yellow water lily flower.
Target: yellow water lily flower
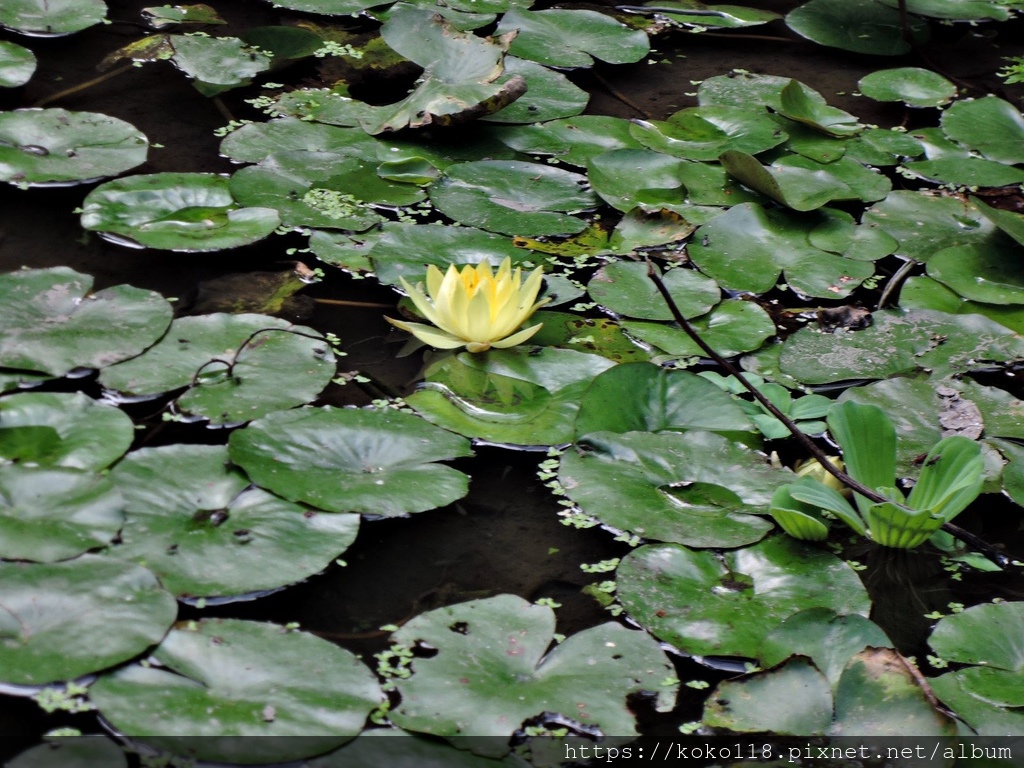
{"x": 474, "y": 307}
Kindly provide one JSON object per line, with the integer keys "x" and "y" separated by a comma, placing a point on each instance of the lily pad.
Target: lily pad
{"x": 49, "y": 514}
{"x": 79, "y": 752}
{"x": 549, "y": 94}
{"x": 924, "y": 293}
{"x": 643, "y": 397}
{"x": 804, "y": 184}
{"x": 695, "y": 488}
{"x": 587, "y": 334}
{"x": 218, "y": 680}
{"x": 86, "y": 434}
{"x": 43, "y": 18}
{"x": 731, "y": 328}
{"x": 624, "y": 288}
{"x": 838, "y": 233}
{"x": 572, "y": 140}
{"x": 966, "y": 172}
{"x": 513, "y": 197}
{"x": 54, "y": 146}
{"x": 725, "y": 604}
{"x": 188, "y": 508}
{"x": 798, "y": 103}
{"x": 175, "y": 211}
{"x": 342, "y": 460}
{"x": 572, "y": 38}
{"x": 255, "y": 142}
{"x": 236, "y": 367}
{"x": 914, "y": 86}
{"x": 53, "y": 324}
{"x": 697, "y": 14}
{"x": 17, "y": 64}
{"x": 993, "y": 127}
{"x": 217, "y": 64}
{"x": 499, "y": 649}
{"x": 825, "y": 637}
{"x": 988, "y": 272}
{"x": 704, "y": 133}
{"x": 985, "y": 718}
{"x": 924, "y": 223}
{"x": 862, "y": 26}
{"x": 957, "y": 10}
{"x": 513, "y": 396}
{"x": 901, "y": 342}
{"x": 64, "y": 620}
{"x": 746, "y": 247}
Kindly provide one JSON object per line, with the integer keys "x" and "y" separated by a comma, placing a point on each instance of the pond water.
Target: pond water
{"x": 505, "y": 537}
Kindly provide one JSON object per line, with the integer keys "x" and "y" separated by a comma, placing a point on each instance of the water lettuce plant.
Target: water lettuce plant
{"x": 474, "y": 307}
{"x": 950, "y": 479}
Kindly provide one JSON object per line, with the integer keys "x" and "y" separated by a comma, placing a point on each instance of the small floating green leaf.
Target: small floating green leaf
{"x": 17, "y": 64}
{"x": 914, "y": 86}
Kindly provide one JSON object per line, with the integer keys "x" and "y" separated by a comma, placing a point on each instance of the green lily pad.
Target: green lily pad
{"x": 627, "y": 178}
{"x": 900, "y": 342}
{"x": 800, "y": 695}
{"x": 198, "y": 14}
{"x": 17, "y": 64}
{"x": 236, "y": 367}
{"x": 374, "y": 462}
{"x": 742, "y": 89}
{"x": 573, "y": 140}
{"x": 79, "y": 752}
{"x": 41, "y": 18}
{"x": 798, "y": 103}
{"x": 1009, "y": 222}
{"x": 988, "y": 272}
{"x": 696, "y": 14}
{"x": 54, "y": 146}
{"x": 642, "y": 397}
{"x": 838, "y": 233}
{"x": 923, "y": 223}
{"x": 435, "y": 102}
{"x": 572, "y": 38}
{"x": 217, "y": 64}
{"x": 327, "y": 7}
{"x": 64, "y": 620}
{"x": 733, "y": 327}
{"x": 86, "y": 434}
{"x": 726, "y": 604}
{"x": 175, "y": 211}
{"x": 598, "y": 336}
{"x": 746, "y": 247}
{"x": 513, "y": 197}
{"x": 255, "y": 142}
{"x": 498, "y": 650}
{"x": 965, "y": 172}
{"x": 332, "y": 106}
{"x": 405, "y": 250}
{"x": 880, "y": 147}
{"x": 188, "y": 508}
{"x": 695, "y": 488}
{"x": 987, "y": 634}
{"x": 993, "y": 127}
{"x": 985, "y": 718}
{"x": 825, "y": 637}
{"x": 914, "y": 86}
{"x": 804, "y": 184}
{"x": 924, "y": 293}
{"x": 862, "y": 26}
{"x": 50, "y": 514}
{"x": 624, "y": 288}
{"x": 550, "y": 95}
{"x": 53, "y": 324}
{"x": 639, "y": 229}
{"x": 704, "y": 133}
{"x": 957, "y": 10}
{"x": 218, "y": 680}
{"x": 512, "y": 396}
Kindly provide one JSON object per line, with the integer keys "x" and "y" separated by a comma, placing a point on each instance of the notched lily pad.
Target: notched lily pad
{"x": 41, "y": 147}
{"x": 731, "y": 328}
{"x": 187, "y": 507}
{"x": 64, "y": 620}
{"x": 343, "y": 460}
{"x": 500, "y": 652}
{"x": 862, "y": 26}
{"x": 43, "y": 18}
{"x": 175, "y": 211}
{"x": 570, "y": 38}
{"x": 725, "y": 604}
{"x": 50, "y": 514}
{"x": 624, "y": 288}
{"x": 696, "y": 488}
{"x": 236, "y": 367}
{"x": 53, "y": 324}
{"x": 514, "y": 396}
{"x": 914, "y": 86}
{"x": 217, "y": 683}
{"x": 17, "y": 64}
{"x": 704, "y": 133}
{"x": 513, "y": 197}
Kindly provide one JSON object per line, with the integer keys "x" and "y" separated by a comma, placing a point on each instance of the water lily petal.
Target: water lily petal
{"x": 517, "y": 338}
{"x": 429, "y": 335}
{"x": 423, "y": 305}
